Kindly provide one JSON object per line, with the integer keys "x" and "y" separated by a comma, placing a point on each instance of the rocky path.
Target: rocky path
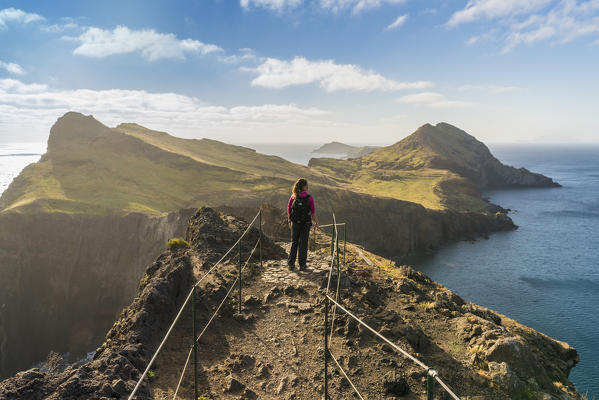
{"x": 273, "y": 350}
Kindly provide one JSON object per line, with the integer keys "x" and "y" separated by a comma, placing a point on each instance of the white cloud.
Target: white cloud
{"x": 36, "y": 107}
{"x": 432, "y": 99}
{"x": 477, "y": 10}
{"x": 533, "y": 21}
{"x": 12, "y": 68}
{"x": 11, "y": 86}
{"x": 244, "y": 55}
{"x": 16, "y": 15}
{"x": 356, "y": 6}
{"x": 277, "y": 74}
{"x": 96, "y": 42}
{"x": 399, "y": 21}
{"x": 274, "y": 5}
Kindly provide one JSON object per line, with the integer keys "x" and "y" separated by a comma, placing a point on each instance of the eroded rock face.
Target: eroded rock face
{"x": 133, "y": 338}
{"x": 68, "y": 276}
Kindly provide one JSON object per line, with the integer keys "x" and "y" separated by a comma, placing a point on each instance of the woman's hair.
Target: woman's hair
{"x": 298, "y": 187}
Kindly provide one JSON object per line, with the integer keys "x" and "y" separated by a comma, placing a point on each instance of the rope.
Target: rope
{"x": 345, "y": 375}
{"x": 212, "y": 318}
{"x": 143, "y": 375}
{"x": 390, "y": 343}
{"x": 328, "y": 225}
{"x": 447, "y": 389}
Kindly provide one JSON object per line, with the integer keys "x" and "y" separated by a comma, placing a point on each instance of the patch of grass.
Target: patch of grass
{"x": 177, "y": 243}
{"x": 151, "y": 375}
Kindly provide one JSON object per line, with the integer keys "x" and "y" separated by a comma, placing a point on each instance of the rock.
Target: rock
{"x": 249, "y": 394}
{"x": 502, "y": 376}
{"x": 233, "y": 385}
{"x": 518, "y": 357}
{"x": 251, "y": 301}
{"x": 282, "y": 385}
{"x": 272, "y": 294}
{"x": 394, "y": 385}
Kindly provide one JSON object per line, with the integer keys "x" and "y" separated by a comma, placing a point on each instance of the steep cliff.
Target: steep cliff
{"x": 64, "y": 277}
{"x": 273, "y": 350}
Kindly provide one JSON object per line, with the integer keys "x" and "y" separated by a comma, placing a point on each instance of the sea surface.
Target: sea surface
{"x": 545, "y": 274}
{"x": 16, "y": 156}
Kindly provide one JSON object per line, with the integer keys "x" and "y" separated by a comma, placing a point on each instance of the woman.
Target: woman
{"x": 300, "y": 214}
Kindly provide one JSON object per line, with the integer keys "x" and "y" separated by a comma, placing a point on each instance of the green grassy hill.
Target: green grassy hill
{"x": 90, "y": 168}
{"x": 440, "y": 167}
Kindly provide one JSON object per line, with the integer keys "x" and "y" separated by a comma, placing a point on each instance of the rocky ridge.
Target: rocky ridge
{"x": 273, "y": 350}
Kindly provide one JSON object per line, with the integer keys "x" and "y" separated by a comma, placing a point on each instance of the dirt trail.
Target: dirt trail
{"x": 273, "y": 351}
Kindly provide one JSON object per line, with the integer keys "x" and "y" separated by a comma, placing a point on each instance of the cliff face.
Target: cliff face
{"x": 64, "y": 278}
{"x": 476, "y": 351}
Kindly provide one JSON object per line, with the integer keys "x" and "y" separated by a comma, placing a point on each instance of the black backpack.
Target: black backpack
{"x": 300, "y": 210}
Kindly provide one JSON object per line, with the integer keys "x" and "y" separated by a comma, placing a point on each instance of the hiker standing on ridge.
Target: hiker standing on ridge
{"x": 301, "y": 214}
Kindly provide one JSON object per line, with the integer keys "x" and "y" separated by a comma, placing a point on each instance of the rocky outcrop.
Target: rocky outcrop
{"x": 274, "y": 348}
{"x": 64, "y": 277}
{"x": 135, "y": 335}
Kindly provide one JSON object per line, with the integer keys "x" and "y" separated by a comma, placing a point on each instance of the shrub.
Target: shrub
{"x": 177, "y": 243}
{"x": 151, "y": 375}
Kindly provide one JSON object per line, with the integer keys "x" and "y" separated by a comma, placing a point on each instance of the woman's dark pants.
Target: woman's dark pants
{"x": 299, "y": 243}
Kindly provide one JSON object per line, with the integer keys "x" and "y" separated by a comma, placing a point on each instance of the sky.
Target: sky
{"x": 357, "y": 71}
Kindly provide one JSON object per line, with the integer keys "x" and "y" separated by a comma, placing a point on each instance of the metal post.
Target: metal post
{"x": 260, "y": 240}
{"x": 240, "y": 277}
{"x": 195, "y": 343}
{"x": 344, "y": 241}
{"x": 332, "y": 240}
{"x": 430, "y": 384}
{"x": 326, "y": 347}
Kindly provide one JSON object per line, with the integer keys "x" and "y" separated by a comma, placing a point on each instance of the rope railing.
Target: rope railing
{"x": 431, "y": 374}
{"x": 189, "y": 295}
{"x": 197, "y": 339}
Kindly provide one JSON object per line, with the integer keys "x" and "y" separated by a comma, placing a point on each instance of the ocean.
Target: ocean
{"x": 545, "y": 274}
{"x": 16, "y": 156}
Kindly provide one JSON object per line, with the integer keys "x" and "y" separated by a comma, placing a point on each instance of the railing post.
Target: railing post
{"x": 344, "y": 241}
{"x": 430, "y": 384}
{"x": 332, "y": 240}
{"x": 326, "y": 347}
{"x": 260, "y": 240}
{"x": 195, "y": 343}
{"x": 240, "y": 282}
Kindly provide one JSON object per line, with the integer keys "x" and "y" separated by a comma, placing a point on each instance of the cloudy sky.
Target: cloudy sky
{"x": 304, "y": 70}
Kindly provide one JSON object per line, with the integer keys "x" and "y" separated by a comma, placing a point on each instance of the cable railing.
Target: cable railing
{"x": 431, "y": 374}
{"x": 192, "y": 295}
{"x": 335, "y": 267}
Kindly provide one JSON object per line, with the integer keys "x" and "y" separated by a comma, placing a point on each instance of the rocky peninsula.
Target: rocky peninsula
{"x": 78, "y": 228}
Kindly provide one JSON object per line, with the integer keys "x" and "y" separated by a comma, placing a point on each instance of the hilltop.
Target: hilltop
{"x": 438, "y": 166}
{"x": 345, "y": 149}
{"x": 273, "y": 350}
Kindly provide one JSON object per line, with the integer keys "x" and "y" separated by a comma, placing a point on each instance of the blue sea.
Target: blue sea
{"x": 545, "y": 274}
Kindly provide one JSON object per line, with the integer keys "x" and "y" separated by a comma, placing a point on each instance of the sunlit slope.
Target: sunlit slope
{"x": 91, "y": 168}
{"x": 213, "y": 152}
{"x": 440, "y": 167}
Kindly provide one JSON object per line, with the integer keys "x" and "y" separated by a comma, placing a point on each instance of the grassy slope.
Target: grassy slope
{"x": 409, "y": 170}
{"x": 90, "y": 168}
